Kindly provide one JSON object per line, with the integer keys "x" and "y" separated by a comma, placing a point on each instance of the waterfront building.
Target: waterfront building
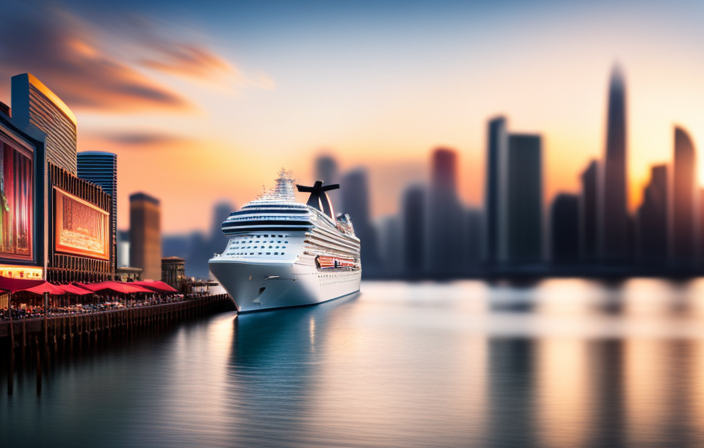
{"x": 414, "y": 218}
{"x": 564, "y": 229}
{"x": 355, "y": 200}
{"x": 613, "y": 214}
{"x": 326, "y": 170}
{"x": 445, "y": 215}
{"x": 123, "y": 248}
{"x": 524, "y": 199}
{"x": 36, "y": 108}
{"x": 100, "y": 168}
{"x": 173, "y": 272}
{"x": 145, "y": 235}
{"x": 128, "y": 274}
{"x": 683, "y": 250}
{"x": 472, "y": 238}
{"x": 588, "y": 212}
{"x": 652, "y": 220}
{"x": 22, "y": 217}
{"x": 497, "y": 141}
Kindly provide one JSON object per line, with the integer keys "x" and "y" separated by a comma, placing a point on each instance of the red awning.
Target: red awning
{"x": 45, "y": 287}
{"x": 155, "y": 286}
{"x": 15, "y": 284}
{"x": 76, "y": 290}
{"x": 118, "y": 287}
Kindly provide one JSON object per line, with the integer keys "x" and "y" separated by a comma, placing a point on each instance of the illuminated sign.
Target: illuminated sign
{"x": 16, "y": 202}
{"x": 25, "y": 272}
{"x": 81, "y": 227}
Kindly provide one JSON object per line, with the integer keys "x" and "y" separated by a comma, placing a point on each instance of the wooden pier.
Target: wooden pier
{"x": 42, "y": 338}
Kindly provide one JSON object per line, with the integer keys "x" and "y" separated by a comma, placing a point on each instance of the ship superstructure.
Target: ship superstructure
{"x": 282, "y": 253}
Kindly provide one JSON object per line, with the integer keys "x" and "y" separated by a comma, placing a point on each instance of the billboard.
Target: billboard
{"x": 81, "y": 227}
{"x": 16, "y": 202}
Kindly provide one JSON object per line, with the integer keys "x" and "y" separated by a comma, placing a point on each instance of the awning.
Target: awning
{"x": 45, "y": 287}
{"x": 155, "y": 286}
{"x": 122, "y": 288}
{"x": 76, "y": 290}
{"x": 15, "y": 284}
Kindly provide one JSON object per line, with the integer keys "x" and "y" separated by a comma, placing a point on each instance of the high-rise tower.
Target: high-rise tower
{"x": 414, "y": 229}
{"x": 613, "y": 214}
{"x": 145, "y": 235}
{"x": 588, "y": 207}
{"x": 355, "y": 200}
{"x": 682, "y": 216}
{"x": 445, "y": 214}
{"x": 495, "y": 158}
{"x": 652, "y": 241}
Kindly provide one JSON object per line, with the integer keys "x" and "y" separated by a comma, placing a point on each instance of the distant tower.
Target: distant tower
{"x": 445, "y": 219}
{"x": 564, "y": 229}
{"x": 35, "y": 107}
{"x": 472, "y": 238}
{"x": 588, "y": 206}
{"x": 683, "y": 250}
{"x": 524, "y": 211}
{"x": 145, "y": 235}
{"x": 652, "y": 219}
{"x": 218, "y": 240}
{"x": 355, "y": 200}
{"x": 414, "y": 229}
{"x": 613, "y": 217}
{"x": 326, "y": 170}
{"x": 495, "y": 159}
{"x": 100, "y": 168}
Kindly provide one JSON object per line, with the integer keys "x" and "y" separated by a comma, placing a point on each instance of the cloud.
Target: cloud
{"x": 63, "y": 51}
{"x": 141, "y": 139}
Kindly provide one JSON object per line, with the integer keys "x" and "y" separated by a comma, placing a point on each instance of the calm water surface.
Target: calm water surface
{"x": 558, "y": 363}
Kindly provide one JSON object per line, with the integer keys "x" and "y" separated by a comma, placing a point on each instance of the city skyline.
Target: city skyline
{"x": 211, "y": 108}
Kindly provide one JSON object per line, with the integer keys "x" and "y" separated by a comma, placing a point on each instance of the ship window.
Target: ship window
{"x": 252, "y": 253}
{"x": 269, "y": 247}
{"x": 276, "y": 253}
{"x": 286, "y": 242}
{"x": 284, "y": 247}
{"x": 282, "y": 253}
{"x": 268, "y": 253}
{"x": 260, "y": 253}
{"x": 279, "y": 242}
{"x": 281, "y": 236}
{"x": 277, "y": 247}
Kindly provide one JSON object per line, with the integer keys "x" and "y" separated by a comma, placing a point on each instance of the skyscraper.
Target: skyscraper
{"x": 613, "y": 217}
{"x": 145, "y": 235}
{"x": 588, "y": 212}
{"x": 472, "y": 238}
{"x": 524, "y": 199}
{"x": 355, "y": 200}
{"x": 414, "y": 229}
{"x": 652, "y": 219}
{"x": 564, "y": 229}
{"x": 495, "y": 157}
{"x": 326, "y": 170}
{"x": 445, "y": 218}
{"x": 35, "y": 107}
{"x": 100, "y": 168}
{"x": 683, "y": 233}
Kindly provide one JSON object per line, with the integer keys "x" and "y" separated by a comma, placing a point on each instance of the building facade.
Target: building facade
{"x": 652, "y": 220}
{"x": 564, "y": 229}
{"x": 588, "y": 213}
{"x": 495, "y": 158}
{"x": 683, "y": 235}
{"x": 145, "y": 235}
{"x": 173, "y": 272}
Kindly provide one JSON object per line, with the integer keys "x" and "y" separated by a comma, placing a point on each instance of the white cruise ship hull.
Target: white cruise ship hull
{"x": 257, "y": 286}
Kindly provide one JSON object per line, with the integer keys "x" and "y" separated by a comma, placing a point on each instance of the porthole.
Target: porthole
{"x": 276, "y": 253}
{"x": 268, "y": 253}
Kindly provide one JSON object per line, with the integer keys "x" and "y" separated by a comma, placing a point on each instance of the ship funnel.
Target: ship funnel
{"x": 319, "y": 198}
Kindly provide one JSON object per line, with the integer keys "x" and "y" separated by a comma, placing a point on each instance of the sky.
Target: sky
{"x": 205, "y": 101}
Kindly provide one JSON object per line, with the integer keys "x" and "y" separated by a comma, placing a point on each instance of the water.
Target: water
{"x": 558, "y": 363}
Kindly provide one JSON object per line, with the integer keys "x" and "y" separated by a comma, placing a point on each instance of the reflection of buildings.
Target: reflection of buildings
{"x": 145, "y": 235}
{"x": 613, "y": 218}
{"x": 53, "y": 224}
{"x": 683, "y": 233}
{"x": 100, "y": 168}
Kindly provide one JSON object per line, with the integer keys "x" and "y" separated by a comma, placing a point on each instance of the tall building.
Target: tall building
{"x": 613, "y": 213}
{"x": 472, "y": 239}
{"x": 355, "y": 200}
{"x": 652, "y": 220}
{"x": 683, "y": 206}
{"x": 145, "y": 235}
{"x": 588, "y": 212}
{"x": 524, "y": 199}
{"x": 414, "y": 232}
{"x": 564, "y": 229}
{"x": 36, "y": 108}
{"x": 390, "y": 244}
{"x": 495, "y": 159}
{"x": 327, "y": 171}
{"x": 100, "y": 168}
{"x": 445, "y": 215}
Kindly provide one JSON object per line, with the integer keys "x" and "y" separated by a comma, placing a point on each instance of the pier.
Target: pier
{"x": 41, "y": 339}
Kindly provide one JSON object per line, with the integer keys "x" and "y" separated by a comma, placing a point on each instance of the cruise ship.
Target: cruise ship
{"x": 282, "y": 253}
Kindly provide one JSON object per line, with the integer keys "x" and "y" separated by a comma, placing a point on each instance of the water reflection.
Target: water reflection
{"x": 567, "y": 362}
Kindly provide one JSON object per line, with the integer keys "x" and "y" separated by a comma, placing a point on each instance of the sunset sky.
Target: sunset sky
{"x": 204, "y": 101}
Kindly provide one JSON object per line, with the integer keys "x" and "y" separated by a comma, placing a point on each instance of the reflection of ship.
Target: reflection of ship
{"x": 282, "y": 253}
